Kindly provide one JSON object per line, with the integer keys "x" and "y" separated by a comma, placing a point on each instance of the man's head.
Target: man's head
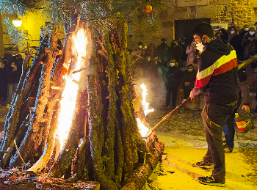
{"x": 164, "y": 40}
{"x": 173, "y": 62}
{"x": 251, "y": 31}
{"x": 190, "y": 68}
{"x": 203, "y": 32}
{"x": 140, "y": 45}
{"x": 246, "y": 28}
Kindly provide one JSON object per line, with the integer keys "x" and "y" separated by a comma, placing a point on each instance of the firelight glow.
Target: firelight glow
{"x": 142, "y": 129}
{"x": 144, "y": 103}
{"x": 70, "y": 92}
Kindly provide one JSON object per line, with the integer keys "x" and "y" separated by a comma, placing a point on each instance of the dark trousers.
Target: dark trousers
{"x": 186, "y": 92}
{"x": 214, "y": 118}
{"x": 230, "y": 125}
{"x": 174, "y": 92}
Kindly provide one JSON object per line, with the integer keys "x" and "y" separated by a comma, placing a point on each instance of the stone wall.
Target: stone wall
{"x": 244, "y": 11}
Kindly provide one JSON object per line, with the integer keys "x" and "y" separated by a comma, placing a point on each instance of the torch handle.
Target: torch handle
{"x": 167, "y": 116}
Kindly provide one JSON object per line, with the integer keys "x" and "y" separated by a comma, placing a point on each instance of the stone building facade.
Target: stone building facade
{"x": 219, "y": 11}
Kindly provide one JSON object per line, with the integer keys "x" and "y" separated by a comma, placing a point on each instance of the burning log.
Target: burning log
{"x": 12, "y": 117}
{"x": 137, "y": 180}
{"x": 42, "y": 162}
{"x": 70, "y": 147}
{"x": 34, "y": 133}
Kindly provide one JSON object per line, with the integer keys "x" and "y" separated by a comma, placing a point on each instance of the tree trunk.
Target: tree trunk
{"x": 95, "y": 147}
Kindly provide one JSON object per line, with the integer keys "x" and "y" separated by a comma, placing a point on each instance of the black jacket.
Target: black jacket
{"x": 173, "y": 77}
{"x": 188, "y": 77}
{"x": 162, "y": 52}
{"x": 217, "y": 74}
{"x": 14, "y": 76}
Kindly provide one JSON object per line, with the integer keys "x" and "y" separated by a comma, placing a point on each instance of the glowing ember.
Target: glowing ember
{"x": 69, "y": 95}
{"x": 144, "y": 103}
{"x": 143, "y": 130}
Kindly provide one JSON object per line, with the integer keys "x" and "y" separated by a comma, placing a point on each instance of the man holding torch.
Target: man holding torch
{"x": 217, "y": 79}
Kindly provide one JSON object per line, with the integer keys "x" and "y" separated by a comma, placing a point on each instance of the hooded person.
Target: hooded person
{"x": 175, "y": 51}
{"x": 161, "y": 53}
{"x": 217, "y": 79}
{"x": 232, "y": 32}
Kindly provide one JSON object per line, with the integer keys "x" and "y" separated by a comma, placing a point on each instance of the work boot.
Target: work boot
{"x": 227, "y": 149}
{"x": 209, "y": 180}
{"x": 203, "y": 163}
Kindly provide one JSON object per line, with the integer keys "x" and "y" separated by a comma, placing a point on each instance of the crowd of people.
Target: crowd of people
{"x": 215, "y": 55}
{"x": 10, "y": 72}
{"x": 177, "y": 64}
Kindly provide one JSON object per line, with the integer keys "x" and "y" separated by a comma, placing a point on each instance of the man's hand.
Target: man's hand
{"x": 192, "y": 96}
{"x": 14, "y": 68}
{"x": 246, "y": 108}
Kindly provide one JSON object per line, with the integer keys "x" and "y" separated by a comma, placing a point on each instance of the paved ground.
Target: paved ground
{"x": 183, "y": 136}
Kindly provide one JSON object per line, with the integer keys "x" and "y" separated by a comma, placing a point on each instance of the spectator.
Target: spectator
{"x": 223, "y": 35}
{"x": 173, "y": 79}
{"x": 188, "y": 80}
{"x": 151, "y": 51}
{"x": 232, "y": 32}
{"x": 236, "y": 43}
{"x": 162, "y": 55}
{"x": 175, "y": 51}
{"x": 3, "y": 82}
{"x": 144, "y": 50}
{"x": 254, "y": 66}
{"x": 249, "y": 44}
{"x": 139, "y": 49}
{"x": 190, "y": 51}
{"x": 14, "y": 70}
{"x": 243, "y": 31}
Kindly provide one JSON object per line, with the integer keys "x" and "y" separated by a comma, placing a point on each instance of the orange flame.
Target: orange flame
{"x": 143, "y": 130}
{"x": 144, "y": 103}
{"x": 70, "y": 92}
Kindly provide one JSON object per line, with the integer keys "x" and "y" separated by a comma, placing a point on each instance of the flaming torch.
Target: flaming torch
{"x": 143, "y": 130}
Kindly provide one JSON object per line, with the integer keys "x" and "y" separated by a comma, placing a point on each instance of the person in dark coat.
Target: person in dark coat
{"x": 3, "y": 81}
{"x": 161, "y": 52}
{"x": 249, "y": 44}
{"x": 175, "y": 52}
{"x": 173, "y": 78}
{"x": 188, "y": 80}
{"x": 14, "y": 70}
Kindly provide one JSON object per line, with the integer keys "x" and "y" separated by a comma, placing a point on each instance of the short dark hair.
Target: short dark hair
{"x": 164, "y": 40}
{"x": 204, "y": 29}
